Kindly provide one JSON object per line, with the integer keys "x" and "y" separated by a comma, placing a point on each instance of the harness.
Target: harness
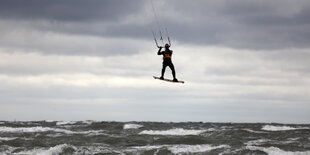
{"x": 167, "y": 56}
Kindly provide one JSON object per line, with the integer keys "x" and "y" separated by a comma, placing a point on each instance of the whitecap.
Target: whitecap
{"x": 88, "y": 133}
{"x": 58, "y": 149}
{"x": 149, "y": 147}
{"x": 177, "y": 149}
{"x": 7, "y": 138}
{"x": 264, "y": 141}
{"x": 65, "y": 122}
{"x": 92, "y": 132}
{"x": 175, "y": 132}
{"x": 257, "y": 142}
{"x": 181, "y": 148}
{"x": 88, "y": 122}
{"x": 281, "y": 128}
{"x": 211, "y": 129}
{"x": 47, "y": 129}
{"x": 49, "y": 121}
{"x": 32, "y": 129}
{"x": 277, "y": 151}
{"x": 132, "y": 126}
{"x": 293, "y": 139}
{"x": 253, "y": 131}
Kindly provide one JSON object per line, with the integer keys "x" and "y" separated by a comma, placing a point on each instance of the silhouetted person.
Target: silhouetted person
{"x": 167, "y": 53}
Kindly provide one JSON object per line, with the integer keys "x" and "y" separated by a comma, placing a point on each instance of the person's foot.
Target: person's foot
{"x": 161, "y": 78}
{"x": 175, "y": 80}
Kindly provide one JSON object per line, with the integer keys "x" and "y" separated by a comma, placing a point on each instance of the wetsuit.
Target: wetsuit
{"x": 166, "y": 61}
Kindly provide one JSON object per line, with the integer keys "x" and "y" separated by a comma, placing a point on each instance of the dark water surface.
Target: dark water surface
{"x": 90, "y": 137}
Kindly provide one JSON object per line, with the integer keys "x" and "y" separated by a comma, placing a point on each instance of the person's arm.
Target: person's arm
{"x": 159, "y": 51}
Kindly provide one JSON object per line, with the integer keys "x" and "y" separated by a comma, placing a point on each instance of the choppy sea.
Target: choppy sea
{"x": 92, "y": 137}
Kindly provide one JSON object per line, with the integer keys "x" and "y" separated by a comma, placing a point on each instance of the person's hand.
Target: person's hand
{"x": 160, "y": 47}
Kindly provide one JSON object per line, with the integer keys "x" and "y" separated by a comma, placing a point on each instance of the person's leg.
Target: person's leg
{"x": 163, "y": 70}
{"x": 173, "y": 70}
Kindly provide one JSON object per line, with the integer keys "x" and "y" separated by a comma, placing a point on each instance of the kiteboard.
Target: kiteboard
{"x": 168, "y": 80}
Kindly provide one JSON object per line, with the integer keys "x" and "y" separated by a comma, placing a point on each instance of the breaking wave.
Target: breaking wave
{"x": 253, "y": 131}
{"x": 281, "y": 128}
{"x": 177, "y": 149}
{"x": 32, "y": 129}
{"x": 132, "y": 126}
{"x": 181, "y": 148}
{"x": 58, "y": 149}
{"x": 46, "y": 129}
{"x": 276, "y": 151}
{"x": 7, "y": 138}
{"x": 175, "y": 132}
{"x": 65, "y": 123}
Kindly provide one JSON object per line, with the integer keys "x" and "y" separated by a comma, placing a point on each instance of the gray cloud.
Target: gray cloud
{"x": 70, "y": 27}
{"x": 235, "y": 24}
{"x": 69, "y": 10}
{"x": 245, "y": 24}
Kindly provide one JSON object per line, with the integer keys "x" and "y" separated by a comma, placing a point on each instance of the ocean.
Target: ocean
{"x": 134, "y": 138}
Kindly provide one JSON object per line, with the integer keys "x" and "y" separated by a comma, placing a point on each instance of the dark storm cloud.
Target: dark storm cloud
{"x": 26, "y": 25}
{"x": 244, "y": 24}
{"x": 262, "y": 24}
{"x": 68, "y": 10}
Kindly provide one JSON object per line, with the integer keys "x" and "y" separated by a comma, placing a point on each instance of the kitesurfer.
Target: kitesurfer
{"x": 167, "y": 53}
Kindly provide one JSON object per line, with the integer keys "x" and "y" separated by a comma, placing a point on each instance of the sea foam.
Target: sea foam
{"x": 32, "y": 129}
{"x": 253, "y": 131}
{"x": 277, "y": 151}
{"x": 132, "y": 126}
{"x": 257, "y": 142}
{"x": 7, "y": 138}
{"x": 58, "y": 149}
{"x": 175, "y": 132}
{"x": 49, "y": 121}
{"x": 177, "y": 149}
{"x": 280, "y": 128}
{"x": 181, "y": 148}
{"x": 65, "y": 122}
{"x": 47, "y": 129}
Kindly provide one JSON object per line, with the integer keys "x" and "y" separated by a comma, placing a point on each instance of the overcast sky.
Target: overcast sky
{"x": 242, "y": 61}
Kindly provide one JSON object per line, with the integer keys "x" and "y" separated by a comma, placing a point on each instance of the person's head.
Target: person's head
{"x": 167, "y": 46}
